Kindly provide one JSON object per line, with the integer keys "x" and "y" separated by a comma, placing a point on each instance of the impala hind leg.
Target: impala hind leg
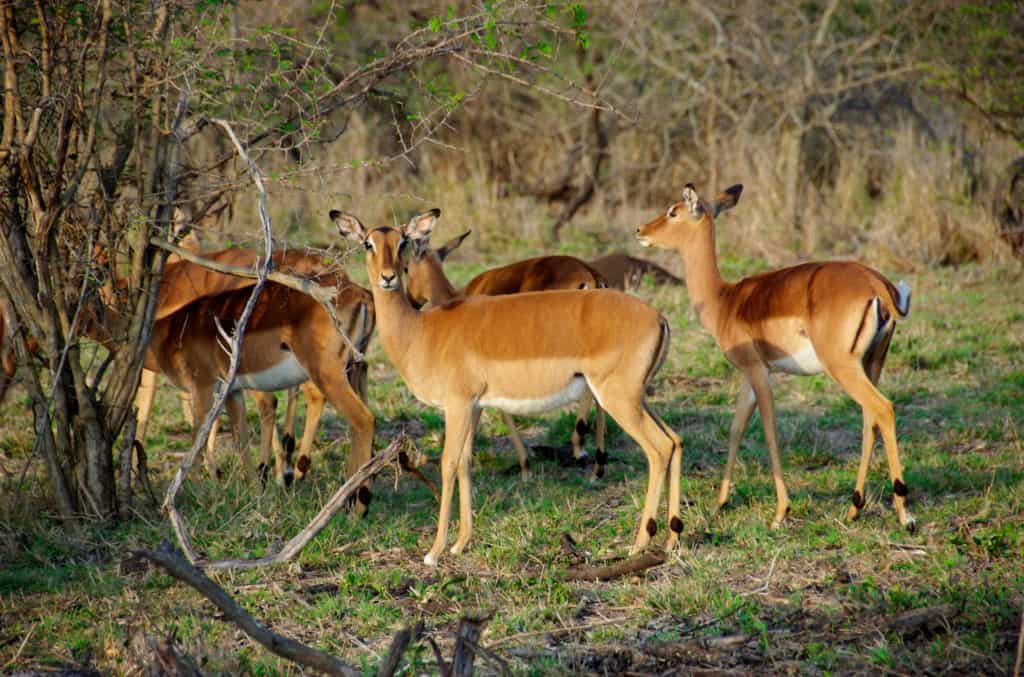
{"x": 458, "y": 424}
{"x": 873, "y": 361}
{"x": 650, "y": 433}
{"x": 856, "y": 382}
{"x": 360, "y": 421}
{"x": 517, "y": 442}
{"x": 761, "y": 385}
{"x": 466, "y": 488}
{"x": 745, "y": 404}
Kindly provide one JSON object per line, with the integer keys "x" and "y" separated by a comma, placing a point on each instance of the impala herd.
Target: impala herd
{"x": 524, "y": 338}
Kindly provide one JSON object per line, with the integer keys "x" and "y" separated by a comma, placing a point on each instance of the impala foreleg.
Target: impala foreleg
{"x": 144, "y": 403}
{"x": 517, "y": 442}
{"x": 288, "y": 425}
{"x": 761, "y": 385}
{"x": 466, "y": 488}
{"x": 745, "y": 404}
{"x": 867, "y": 447}
{"x": 269, "y": 441}
{"x": 315, "y": 400}
{"x": 458, "y": 424}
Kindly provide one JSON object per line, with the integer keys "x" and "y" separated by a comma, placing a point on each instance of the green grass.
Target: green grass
{"x": 814, "y": 597}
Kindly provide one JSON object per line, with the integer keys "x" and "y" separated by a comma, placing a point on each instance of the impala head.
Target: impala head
{"x": 685, "y": 217}
{"x": 386, "y": 247}
{"x": 425, "y": 267}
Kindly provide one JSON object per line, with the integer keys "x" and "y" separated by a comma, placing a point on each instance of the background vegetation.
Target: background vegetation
{"x": 889, "y": 132}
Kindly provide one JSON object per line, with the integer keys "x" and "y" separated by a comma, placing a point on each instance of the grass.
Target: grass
{"x": 814, "y": 597}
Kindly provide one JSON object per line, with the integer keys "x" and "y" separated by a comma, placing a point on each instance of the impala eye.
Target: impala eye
{"x": 401, "y": 245}
{"x": 368, "y": 245}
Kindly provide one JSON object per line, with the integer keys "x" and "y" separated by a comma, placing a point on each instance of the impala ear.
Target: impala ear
{"x": 692, "y": 201}
{"x": 421, "y": 226}
{"x": 727, "y": 200}
{"x": 348, "y": 225}
{"x": 451, "y": 245}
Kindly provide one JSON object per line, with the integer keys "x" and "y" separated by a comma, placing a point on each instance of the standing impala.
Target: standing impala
{"x": 524, "y": 353}
{"x": 837, "y": 317}
{"x": 428, "y": 283}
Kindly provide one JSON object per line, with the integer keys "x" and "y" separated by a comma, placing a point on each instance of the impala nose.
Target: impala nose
{"x": 388, "y": 280}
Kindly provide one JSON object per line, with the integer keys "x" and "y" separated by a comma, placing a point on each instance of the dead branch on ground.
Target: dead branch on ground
{"x": 288, "y": 648}
{"x": 651, "y": 557}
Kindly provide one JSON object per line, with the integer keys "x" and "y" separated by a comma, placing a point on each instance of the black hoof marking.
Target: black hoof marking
{"x": 219, "y": 474}
{"x": 599, "y": 473}
{"x": 263, "y": 470}
{"x": 911, "y": 527}
{"x": 601, "y": 457}
{"x": 899, "y": 488}
{"x": 652, "y": 527}
{"x": 303, "y": 465}
{"x": 676, "y": 525}
{"x": 582, "y": 428}
{"x": 858, "y": 500}
{"x": 288, "y": 442}
{"x": 289, "y": 477}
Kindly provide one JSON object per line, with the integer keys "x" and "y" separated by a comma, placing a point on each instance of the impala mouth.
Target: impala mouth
{"x": 388, "y": 285}
{"x": 644, "y": 242}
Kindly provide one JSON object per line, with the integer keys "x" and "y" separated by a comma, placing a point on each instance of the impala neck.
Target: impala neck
{"x": 397, "y": 323}
{"x": 703, "y": 280}
{"x": 441, "y": 289}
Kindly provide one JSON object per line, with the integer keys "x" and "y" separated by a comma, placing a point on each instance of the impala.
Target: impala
{"x": 523, "y": 353}
{"x": 182, "y": 284}
{"x": 624, "y": 271}
{"x": 837, "y": 317}
{"x": 428, "y": 283}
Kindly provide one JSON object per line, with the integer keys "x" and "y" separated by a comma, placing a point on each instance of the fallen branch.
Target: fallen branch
{"x": 332, "y": 508}
{"x": 470, "y": 628}
{"x": 314, "y": 659}
{"x": 916, "y": 620}
{"x": 651, "y": 557}
{"x": 398, "y": 645}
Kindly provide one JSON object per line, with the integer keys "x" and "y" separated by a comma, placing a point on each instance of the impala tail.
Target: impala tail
{"x": 902, "y": 298}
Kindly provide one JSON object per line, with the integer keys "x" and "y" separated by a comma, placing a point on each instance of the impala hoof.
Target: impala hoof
{"x": 263, "y": 470}
{"x": 288, "y": 477}
{"x": 430, "y": 560}
{"x": 910, "y": 524}
{"x": 457, "y": 548}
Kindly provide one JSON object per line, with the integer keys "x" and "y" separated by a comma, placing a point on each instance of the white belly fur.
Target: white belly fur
{"x": 571, "y": 393}
{"x": 803, "y": 362}
{"x": 281, "y": 376}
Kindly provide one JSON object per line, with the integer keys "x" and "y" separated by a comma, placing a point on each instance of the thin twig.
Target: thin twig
{"x": 203, "y": 434}
{"x": 332, "y": 508}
